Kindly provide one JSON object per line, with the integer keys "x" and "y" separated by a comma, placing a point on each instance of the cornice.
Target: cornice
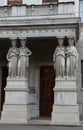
{"x": 37, "y": 21}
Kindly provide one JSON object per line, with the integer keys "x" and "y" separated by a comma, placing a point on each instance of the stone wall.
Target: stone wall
{"x": 79, "y": 86}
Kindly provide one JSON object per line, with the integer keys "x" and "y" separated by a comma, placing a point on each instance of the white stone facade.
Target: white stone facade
{"x": 40, "y": 22}
{"x": 80, "y": 89}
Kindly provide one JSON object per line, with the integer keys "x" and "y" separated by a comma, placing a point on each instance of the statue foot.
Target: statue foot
{"x": 8, "y": 77}
{"x": 67, "y": 77}
{"x": 17, "y": 77}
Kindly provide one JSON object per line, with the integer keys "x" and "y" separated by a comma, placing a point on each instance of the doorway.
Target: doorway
{"x": 4, "y": 78}
{"x": 47, "y": 81}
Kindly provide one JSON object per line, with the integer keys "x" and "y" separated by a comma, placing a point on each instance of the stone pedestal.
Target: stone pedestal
{"x": 16, "y": 108}
{"x": 65, "y": 108}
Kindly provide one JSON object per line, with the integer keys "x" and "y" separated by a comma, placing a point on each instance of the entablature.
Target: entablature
{"x": 38, "y": 31}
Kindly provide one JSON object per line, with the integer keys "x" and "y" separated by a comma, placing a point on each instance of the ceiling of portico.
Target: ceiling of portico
{"x": 42, "y": 48}
{"x": 32, "y": 43}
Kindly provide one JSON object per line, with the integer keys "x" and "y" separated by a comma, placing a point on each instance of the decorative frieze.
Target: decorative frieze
{"x": 41, "y": 32}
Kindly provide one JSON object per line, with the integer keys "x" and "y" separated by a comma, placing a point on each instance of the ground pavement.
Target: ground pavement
{"x": 37, "y": 127}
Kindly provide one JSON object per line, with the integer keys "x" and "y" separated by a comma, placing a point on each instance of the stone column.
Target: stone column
{"x": 65, "y": 108}
{"x": 16, "y": 108}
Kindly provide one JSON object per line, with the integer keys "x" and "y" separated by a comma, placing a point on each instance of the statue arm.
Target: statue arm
{"x": 67, "y": 51}
{"x": 75, "y": 52}
{"x": 16, "y": 51}
{"x": 54, "y": 55}
{"x": 77, "y": 56}
{"x": 54, "y": 65}
{"x": 27, "y": 60}
{"x": 28, "y": 52}
{"x": 8, "y": 54}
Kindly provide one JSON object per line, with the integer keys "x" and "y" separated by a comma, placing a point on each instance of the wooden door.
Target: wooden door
{"x": 46, "y": 90}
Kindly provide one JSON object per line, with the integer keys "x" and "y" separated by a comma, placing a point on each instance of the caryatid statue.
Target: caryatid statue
{"x": 23, "y": 62}
{"x": 59, "y": 59}
{"x": 71, "y": 59}
{"x": 12, "y": 57}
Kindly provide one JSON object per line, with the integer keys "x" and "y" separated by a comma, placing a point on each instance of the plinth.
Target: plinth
{"x": 16, "y": 108}
{"x": 65, "y": 108}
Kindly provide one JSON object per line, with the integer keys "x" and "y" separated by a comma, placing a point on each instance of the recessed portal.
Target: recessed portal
{"x": 47, "y": 76}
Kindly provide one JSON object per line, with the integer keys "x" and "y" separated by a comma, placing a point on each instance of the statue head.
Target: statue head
{"x": 23, "y": 42}
{"x": 13, "y": 42}
{"x": 60, "y": 41}
{"x": 71, "y": 41}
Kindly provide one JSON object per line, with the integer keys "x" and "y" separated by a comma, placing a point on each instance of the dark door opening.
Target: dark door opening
{"x": 4, "y": 77}
{"x": 47, "y": 80}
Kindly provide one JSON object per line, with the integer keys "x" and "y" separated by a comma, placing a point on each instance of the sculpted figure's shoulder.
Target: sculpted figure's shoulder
{"x": 56, "y": 49}
{"x": 74, "y": 48}
{"x": 10, "y": 49}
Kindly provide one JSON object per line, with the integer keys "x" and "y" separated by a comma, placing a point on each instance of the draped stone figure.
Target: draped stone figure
{"x": 23, "y": 62}
{"x": 59, "y": 59}
{"x": 12, "y": 57}
{"x": 71, "y": 59}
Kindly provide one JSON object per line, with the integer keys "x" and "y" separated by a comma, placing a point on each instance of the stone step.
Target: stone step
{"x": 40, "y": 121}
